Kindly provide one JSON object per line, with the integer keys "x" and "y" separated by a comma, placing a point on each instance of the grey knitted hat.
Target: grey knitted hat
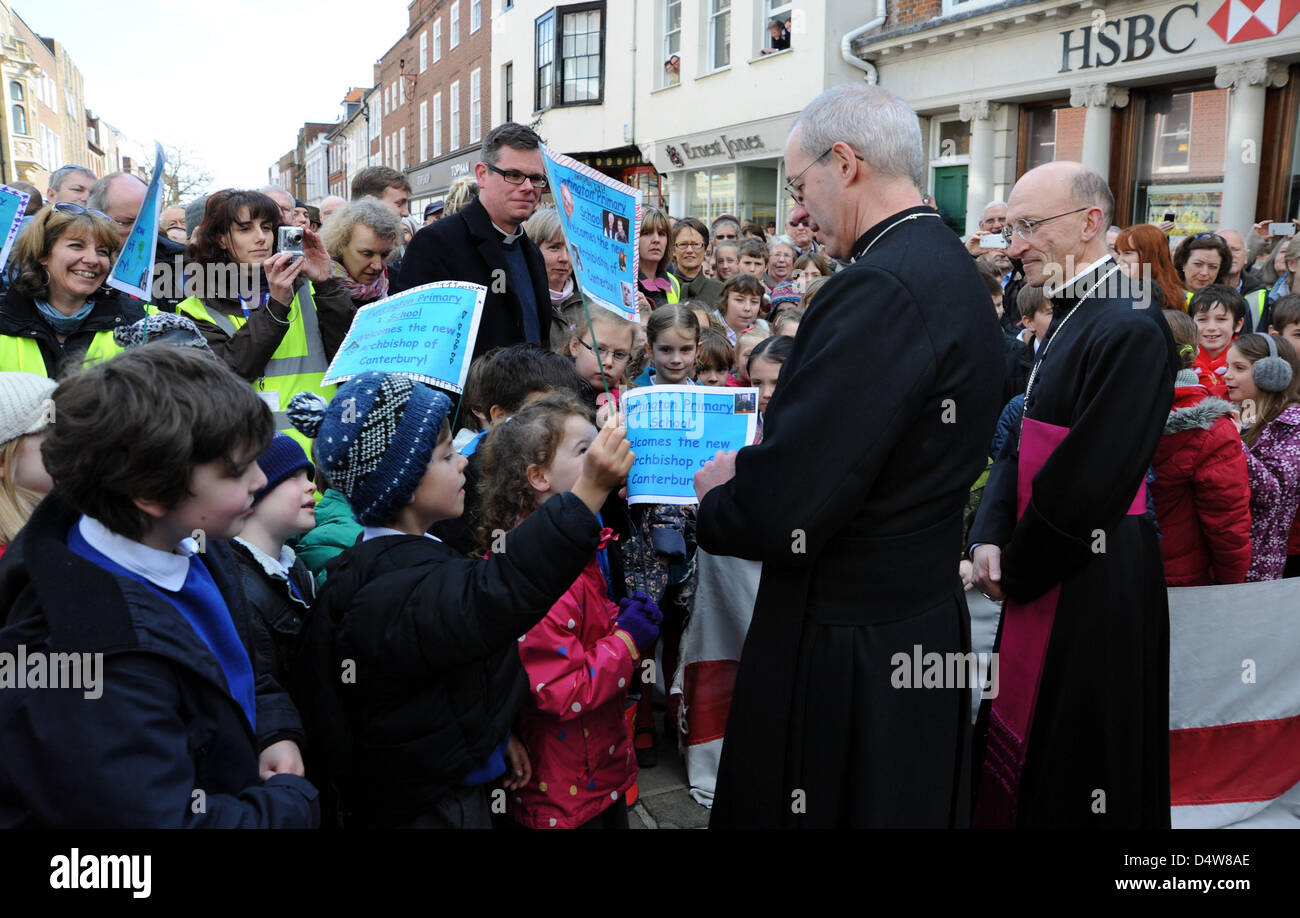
{"x": 25, "y": 404}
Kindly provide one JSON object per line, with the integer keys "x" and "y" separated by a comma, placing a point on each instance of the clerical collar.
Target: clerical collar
{"x": 508, "y": 238}
{"x": 877, "y": 232}
{"x": 1067, "y": 289}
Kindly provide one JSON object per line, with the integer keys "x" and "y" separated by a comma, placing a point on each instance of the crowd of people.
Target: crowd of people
{"x": 373, "y": 605}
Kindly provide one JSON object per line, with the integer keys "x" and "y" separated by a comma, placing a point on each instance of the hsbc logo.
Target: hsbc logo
{"x": 1242, "y": 20}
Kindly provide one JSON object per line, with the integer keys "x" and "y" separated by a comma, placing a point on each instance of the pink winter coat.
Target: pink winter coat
{"x": 579, "y": 668}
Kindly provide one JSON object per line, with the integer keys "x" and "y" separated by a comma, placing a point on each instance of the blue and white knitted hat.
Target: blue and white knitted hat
{"x": 374, "y": 439}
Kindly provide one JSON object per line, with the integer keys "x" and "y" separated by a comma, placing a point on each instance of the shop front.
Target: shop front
{"x": 431, "y": 182}
{"x": 734, "y": 170}
{"x": 1189, "y": 108}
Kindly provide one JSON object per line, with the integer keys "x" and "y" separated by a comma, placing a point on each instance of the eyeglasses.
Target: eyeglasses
{"x": 690, "y": 245}
{"x": 798, "y": 222}
{"x": 68, "y": 207}
{"x": 515, "y": 177}
{"x": 1025, "y": 228}
{"x": 790, "y": 185}
{"x": 618, "y": 356}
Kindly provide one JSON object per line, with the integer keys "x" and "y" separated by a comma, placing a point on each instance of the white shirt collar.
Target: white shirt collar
{"x": 165, "y": 569}
{"x": 509, "y": 237}
{"x": 274, "y": 567}
{"x": 1074, "y": 280}
{"x": 378, "y": 532}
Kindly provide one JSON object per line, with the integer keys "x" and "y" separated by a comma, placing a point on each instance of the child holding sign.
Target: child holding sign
{"x": 580, "y": 659}
{"x": 418, "y": 725}
{"x": 614, "y": 338}
{"x": 673, "y": 339}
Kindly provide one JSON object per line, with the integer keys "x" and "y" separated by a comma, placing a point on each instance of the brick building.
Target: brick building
{"x": 1187, "y": 107}
{"x": 45, "y": 117}
{"x": 431, "y": 96}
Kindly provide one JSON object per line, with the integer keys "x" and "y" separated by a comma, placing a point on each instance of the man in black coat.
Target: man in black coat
{"x": 1079, "y": 733}
{"x": 860, "y": 548}
{"x": 485, "y": 243}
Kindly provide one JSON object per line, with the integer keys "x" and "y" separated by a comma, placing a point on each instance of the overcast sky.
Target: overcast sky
{"x": 231, "y": 79}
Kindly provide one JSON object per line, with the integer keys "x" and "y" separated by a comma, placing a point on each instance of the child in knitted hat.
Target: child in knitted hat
{"x": 278, "y": 586}
{"x": 25, "y": 412}
{"x": 411, "y": 673}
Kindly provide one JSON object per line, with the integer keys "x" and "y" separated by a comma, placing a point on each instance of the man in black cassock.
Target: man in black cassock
{"x": 1067, "y": 542}
{"x": 878, "y": 426}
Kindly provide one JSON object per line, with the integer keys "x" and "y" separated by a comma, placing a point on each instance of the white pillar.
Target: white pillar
{"x": 1248, "y": 81}
{"x": 979, "y": 174}
{"x": 1099, "y": 99}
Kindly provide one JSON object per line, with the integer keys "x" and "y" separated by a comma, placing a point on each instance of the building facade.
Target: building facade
{"x": 1189, "y": 108}
{"x": 716, "y": 127}
{"x": 569, "y": 71}
{"x": 431, "y": 103}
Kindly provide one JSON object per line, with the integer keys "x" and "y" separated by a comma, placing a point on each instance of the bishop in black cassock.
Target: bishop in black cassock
{"x": 879, "y": 424}
{"x": 1079, "y": 735}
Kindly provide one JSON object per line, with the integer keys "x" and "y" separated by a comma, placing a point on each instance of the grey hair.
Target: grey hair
{"x": 63, "y": 173}
{"x": 544, "y": 226}
{"x": 784, "y": 240}
{"x": 268, "y": 190}
{"x": 333, "y": 198}
{"x": 1090, "y": 188}
{"x": 371, "y": 212}
{"x": 875, "y": 123}
{"x": 992, "y": 204}
{"x": 98, "y": 199}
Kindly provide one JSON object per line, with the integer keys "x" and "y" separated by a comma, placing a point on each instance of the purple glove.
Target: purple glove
{"x": 640, "y": 617}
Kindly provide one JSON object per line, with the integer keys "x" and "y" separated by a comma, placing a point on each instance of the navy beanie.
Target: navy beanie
{"x": 280, "y": 461}
{"x": 374, "y": 439}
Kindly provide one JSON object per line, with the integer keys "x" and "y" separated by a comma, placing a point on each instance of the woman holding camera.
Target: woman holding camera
{"x": 57, "y": 312}
{"x": 275, "y": 317}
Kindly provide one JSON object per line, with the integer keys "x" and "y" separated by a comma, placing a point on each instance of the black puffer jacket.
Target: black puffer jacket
{"x": 411, "y": 676}
{"x": 276, "y": 613}
{"x": 20, "y": 319}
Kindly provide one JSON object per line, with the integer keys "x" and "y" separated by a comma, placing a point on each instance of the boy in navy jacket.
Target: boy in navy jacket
{"x": 121, "y": 570}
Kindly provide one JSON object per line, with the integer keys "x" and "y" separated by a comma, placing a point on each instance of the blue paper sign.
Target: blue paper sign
{"x": 426, "y": 333}
{"x": 13, "y": 206}
{"x": 133, "y": 271}
{"x": 674, "y": 430}
{"x": 601, "y": 219}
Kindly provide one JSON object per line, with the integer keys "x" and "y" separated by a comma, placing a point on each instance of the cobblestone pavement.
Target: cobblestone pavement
{"x": 665, "y": 801}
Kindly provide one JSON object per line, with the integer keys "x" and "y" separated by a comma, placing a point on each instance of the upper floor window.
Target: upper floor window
{"x": 570, "y": 43}
{"x": 719, "y": 31}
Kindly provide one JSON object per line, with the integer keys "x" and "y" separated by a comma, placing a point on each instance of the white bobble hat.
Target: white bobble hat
{"x": 23, "y": 400}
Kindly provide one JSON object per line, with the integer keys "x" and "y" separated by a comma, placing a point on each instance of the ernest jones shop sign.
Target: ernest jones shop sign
{"x": 1133, "y": 38}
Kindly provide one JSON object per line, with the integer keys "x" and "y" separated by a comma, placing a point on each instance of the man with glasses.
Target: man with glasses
{"x": 800, "y": 230}
{"x": 119, "y": 196}
{"x": 484, "y": 242}
{"x": 1078, "y": 734}
{"x": 860, "y": 557}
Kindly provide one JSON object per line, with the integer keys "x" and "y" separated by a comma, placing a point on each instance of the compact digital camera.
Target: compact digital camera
{"x": 290, "y": 240}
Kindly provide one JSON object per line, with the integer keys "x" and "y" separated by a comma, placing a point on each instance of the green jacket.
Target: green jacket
{"x": 336, "y": 529}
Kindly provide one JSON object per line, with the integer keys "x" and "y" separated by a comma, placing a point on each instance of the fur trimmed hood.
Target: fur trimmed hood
{"x": 1197, "y": 417}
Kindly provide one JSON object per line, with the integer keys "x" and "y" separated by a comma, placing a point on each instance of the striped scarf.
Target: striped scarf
{"x": 375, "y": 290}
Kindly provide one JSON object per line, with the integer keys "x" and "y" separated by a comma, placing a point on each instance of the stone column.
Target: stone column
{"x": 1248, "y": 81}
{"x": 1099, "y": 99}
{"x": 979, "y": 174}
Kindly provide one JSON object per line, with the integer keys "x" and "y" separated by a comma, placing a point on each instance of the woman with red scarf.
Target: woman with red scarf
{"x": 360, "y": 238}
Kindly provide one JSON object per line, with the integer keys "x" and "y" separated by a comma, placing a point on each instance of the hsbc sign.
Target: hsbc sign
{"x": 1104, "y": 43}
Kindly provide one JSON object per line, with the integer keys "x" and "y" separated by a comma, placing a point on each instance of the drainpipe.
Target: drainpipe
{"x": 846, "y": 45}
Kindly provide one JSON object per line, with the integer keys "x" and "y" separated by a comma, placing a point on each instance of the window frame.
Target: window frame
{"x": 453, "y": 114}
{"x": 17, "y": 113}
{"x": 437, "y": 124}
{"x": 711, "y": 49}
{"x": 785, "y": 12}
{"x": 453, "y": 25}
{"x": 475, "y": 15}
{"x": 424, "y": 50}
{"x": 665, "y": 35}
{"x": 508, "y": 90}
{"x": 424, "y": 130}
{"x": 556, "y": 16}
{"x": 476, "y": 105}
{"x": 437, "y": 39}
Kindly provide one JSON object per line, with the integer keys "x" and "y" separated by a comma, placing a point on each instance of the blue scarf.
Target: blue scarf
{"x": 64, "y": 325}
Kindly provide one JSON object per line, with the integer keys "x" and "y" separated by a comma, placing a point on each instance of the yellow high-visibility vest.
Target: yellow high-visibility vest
{"x": 23, "y": 355}
{"x": 298, "y": 363}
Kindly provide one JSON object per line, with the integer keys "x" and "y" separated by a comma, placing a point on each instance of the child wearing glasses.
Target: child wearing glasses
{"x": 614, "y": 337}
